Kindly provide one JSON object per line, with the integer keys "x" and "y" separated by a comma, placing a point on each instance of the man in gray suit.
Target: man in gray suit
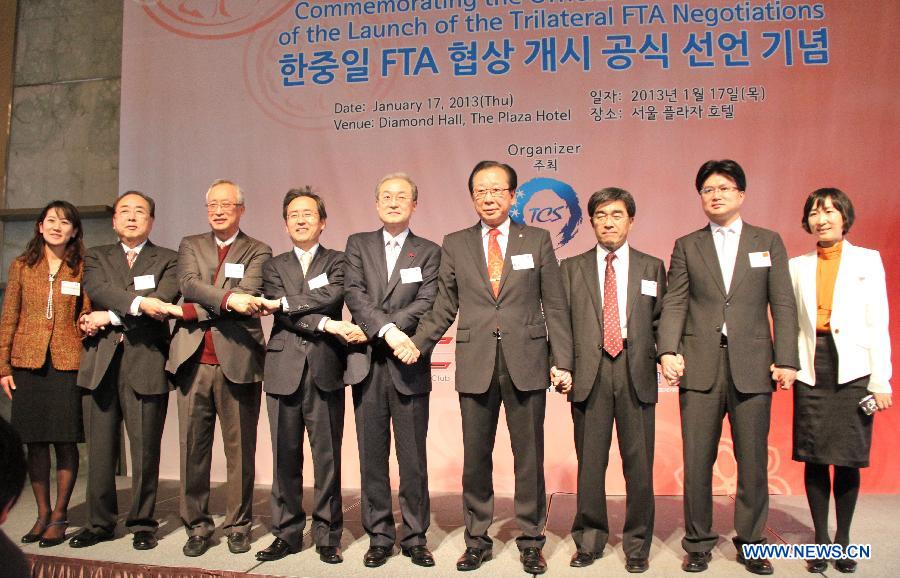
{"x": 615, "y": 298}
{"x": 390, "y": 282}
{"x": 304, "y": 379}
{"x": 504, "y": 281}
{"x": 716, "y": 345}
{"x": 216, "y": 358}
{"x": 123, "y": 369}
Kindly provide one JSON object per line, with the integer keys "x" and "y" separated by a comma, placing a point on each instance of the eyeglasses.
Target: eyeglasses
{"x": 482, "y": 194}
{"x": 399, "y": 198}
{"x": 722, "y": 189}
{"x": 226, "y": 206}
{"x": 305, "y": 215}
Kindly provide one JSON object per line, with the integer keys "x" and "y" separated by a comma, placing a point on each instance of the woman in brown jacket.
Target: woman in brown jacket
{"x": 40, "y": 347}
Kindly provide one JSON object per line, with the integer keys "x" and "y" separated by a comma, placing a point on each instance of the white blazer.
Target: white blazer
{"x": 859, "y": 317}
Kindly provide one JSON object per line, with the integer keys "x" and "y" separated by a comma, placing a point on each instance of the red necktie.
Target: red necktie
{"x": 495, "y": 261}
{"x": 612, "y": 329}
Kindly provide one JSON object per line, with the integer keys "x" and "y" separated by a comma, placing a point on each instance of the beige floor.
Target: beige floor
{"x": 876, "y": 523}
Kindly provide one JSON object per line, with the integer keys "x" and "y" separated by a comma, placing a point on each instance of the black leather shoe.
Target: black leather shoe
{"x": 196, "y": 546}
{"x": 472, "y": 559}
{"x": 34, "y": 535}
{"x": 87, "y": 538}
{"x": 419, "y": 555}
{"x": 759, "y": 566}
{"x": 582, "y": 559}
{"x": 816, "y": 566}
{"x": 845, "y": 566}
{"x": 533, "y": 560}
{"x": 330, "y": 554}
{"x": 49, "y": 542}
{"x": 276, "y": 551}
{"x": 238, "y": 543}
{"x": 377, "y": 556}
{"x": 636, "y": 565}
{"x": 144, "y": 540}
{"x": 696, "y": 562}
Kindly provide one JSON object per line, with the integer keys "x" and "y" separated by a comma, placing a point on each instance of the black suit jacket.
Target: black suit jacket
{"x": 696, "y": 305}
{"x": 582, "y": 284}
{"x": 530, "y": 308}
{"x": 110, "y": 285}
{"x": 296, "y": 342}
{"x": 374, "y": 301}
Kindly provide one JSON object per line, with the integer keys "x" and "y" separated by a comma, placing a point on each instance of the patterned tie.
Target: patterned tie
{"x": 612, "y": 329}
{"x": 391, "y": 252}
{"x": 495, "y": 261}
{"x": 131, "y": 257}
{"x": 305, "y": 260}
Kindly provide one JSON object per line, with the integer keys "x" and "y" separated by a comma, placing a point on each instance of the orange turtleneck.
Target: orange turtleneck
{"x": 829, "y": 259}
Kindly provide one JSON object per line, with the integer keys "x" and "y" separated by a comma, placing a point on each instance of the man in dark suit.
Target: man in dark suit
{"x": 216, "y": 358}
{"x": 304, "y": 379}
{"x": 123, "y": 369}
{"x": 615, "y": 298}
{"x": 716, "y": 344}
{"x": 390, "y": 282}
{"x": 504, "y": 281}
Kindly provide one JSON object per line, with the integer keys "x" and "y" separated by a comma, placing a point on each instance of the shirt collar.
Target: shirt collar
{"x": 137, "y": 250}
{"x": 226, "y": 242}
{"x": 621, "y": 252}
{"x": 502, "y": 227}
{"x": 400, "y": 238}
{"x": 312, "y": 251}
{"x": 735, "y": 227}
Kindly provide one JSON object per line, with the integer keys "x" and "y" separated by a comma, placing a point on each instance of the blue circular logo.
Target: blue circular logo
{"x": 538, "y": 215}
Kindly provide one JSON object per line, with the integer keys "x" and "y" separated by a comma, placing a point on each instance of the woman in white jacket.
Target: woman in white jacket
{"x": 845, "y": 355}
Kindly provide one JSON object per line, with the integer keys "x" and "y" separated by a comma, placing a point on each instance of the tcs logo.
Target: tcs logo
{"x": 550, "y": 204}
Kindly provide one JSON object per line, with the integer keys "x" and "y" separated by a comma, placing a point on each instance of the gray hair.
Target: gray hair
{"x": 217, "y": 182}
{"x": 401, "y": 176}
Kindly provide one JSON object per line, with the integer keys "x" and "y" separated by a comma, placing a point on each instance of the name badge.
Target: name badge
{"x": 142, "y": 282}
{"x": 319, "y": 280}
{"x": 234, "y": 270}
{"x": 648, "y": 287}
{"x": 70, "y": 288}
{"x": 760, "y": 259}
{"x": 524, "y": 261}
{"x": 411, "y": 275}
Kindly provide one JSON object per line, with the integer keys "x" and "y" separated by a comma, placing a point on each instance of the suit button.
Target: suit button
{"x": 727, "y": 304}
{"x": 719, "y": 328}
{"x": 497, "y": 307}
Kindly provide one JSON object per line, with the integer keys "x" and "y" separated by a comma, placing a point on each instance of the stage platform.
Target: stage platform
{"x": 876, "y": 523}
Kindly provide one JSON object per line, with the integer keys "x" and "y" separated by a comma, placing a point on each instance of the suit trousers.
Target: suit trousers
{"x": 525, "y": 419}
{"x": 321, "y": 414}
{"x": 613, "y": 399}
{"x": 104, "y": 410}
{"x": 377, "y": 405}
{"x": 701, "y": 429}
{"x": 203, "y": 394}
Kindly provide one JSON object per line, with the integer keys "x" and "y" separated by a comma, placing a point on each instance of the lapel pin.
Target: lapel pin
{"x": 410, "y": 255}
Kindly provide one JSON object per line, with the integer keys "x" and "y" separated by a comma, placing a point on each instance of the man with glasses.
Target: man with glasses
{"x": 615, "y": 298}
{"x": 715, "y": 343}
{"x": 504, "y": 281}
{"x": 216, "y": 357}
{"x": 130, "y": 284}
{"x": 304, "y": 381}
{"x": 390, "y": 281}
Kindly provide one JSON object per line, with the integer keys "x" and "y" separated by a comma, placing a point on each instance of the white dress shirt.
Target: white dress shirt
{"x": 502, "y": 238}
{"x": 620, "y": 265}
{"x": 726, "y": 240}
{"x": 135, "y": 308}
